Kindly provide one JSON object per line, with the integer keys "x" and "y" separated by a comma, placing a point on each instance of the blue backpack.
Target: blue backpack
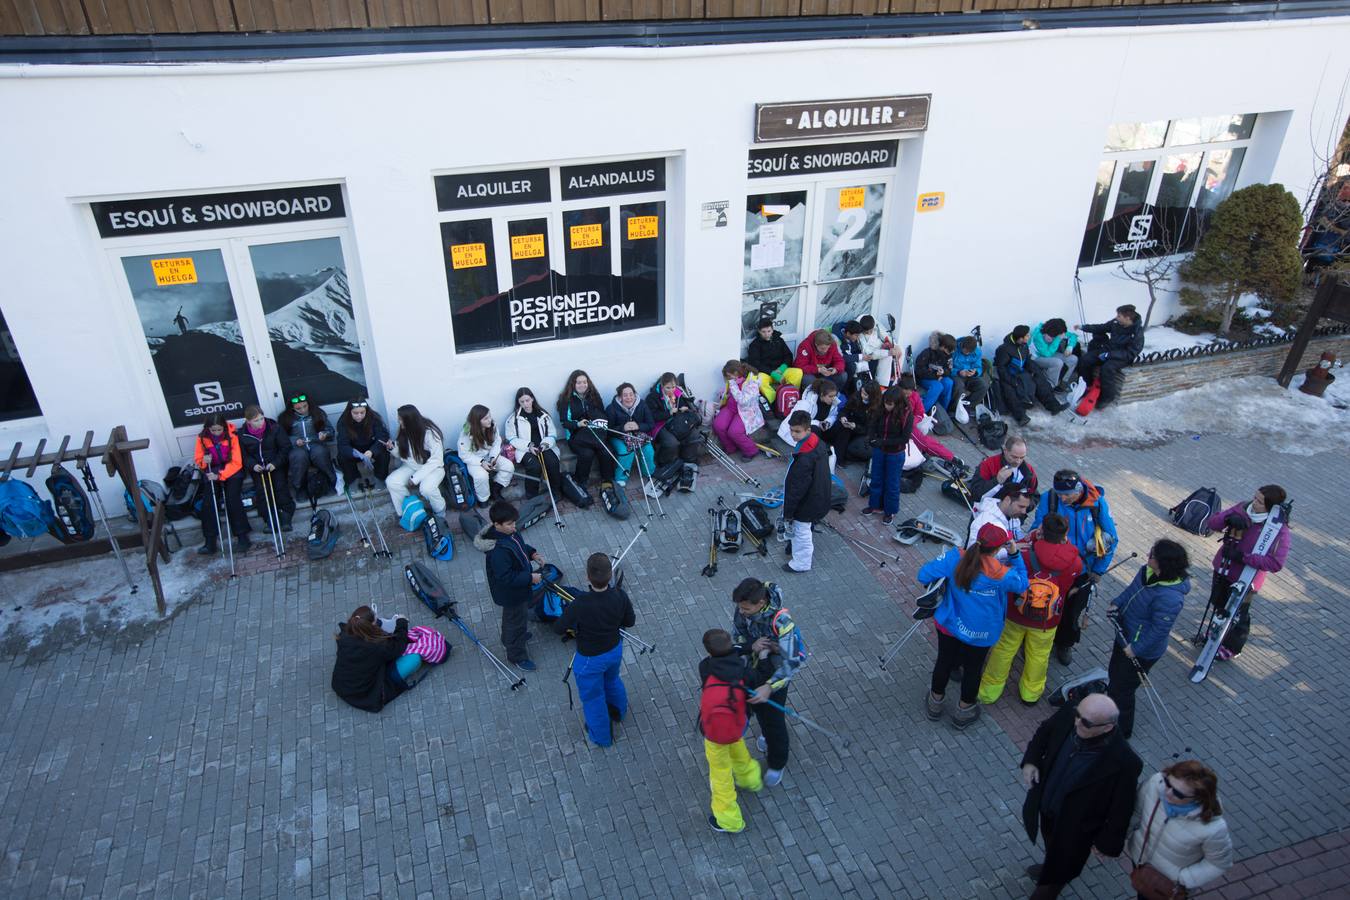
{"x": 457, "y": 486}
{"x": 22, "y": 512}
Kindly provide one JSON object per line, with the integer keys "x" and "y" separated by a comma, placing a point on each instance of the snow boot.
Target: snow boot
{"x": 964, "y": 716}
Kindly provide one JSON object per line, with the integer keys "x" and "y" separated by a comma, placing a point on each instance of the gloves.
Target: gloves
{"x": 1103, "y": 356}
{"x": 1235, "y": 520}
{"x": 1231, "y": 552}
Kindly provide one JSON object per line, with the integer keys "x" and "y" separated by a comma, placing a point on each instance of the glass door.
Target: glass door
{"x": 850, "y": 247}
{"x": 772, "y": 285}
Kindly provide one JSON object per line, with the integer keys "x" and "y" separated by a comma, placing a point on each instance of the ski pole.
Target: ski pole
{"x": 92, "y": 487}
{"x": 649, "y": 486}
{"x": 1150, "y": 692}
{"x": 731, "y": 465}
{"x": 895, "y": 648}
{"x": 273, "y": 517}
{"x": 620, "y": 488}
{"x": 814, "y": 726}
{"x": 548, "y": 486}
{"x": 645, "y": 647}
{"x": 1119, "y": 564}
{"x": 618, "y": 560}
{"x": 379, "y": 532}
{"x": 223, "y": 514}
{"x": 492, "y": 657}
{"x": 711, "y": 568}
{"x": 879, "y": 556}
{"x": 356, "y": 520}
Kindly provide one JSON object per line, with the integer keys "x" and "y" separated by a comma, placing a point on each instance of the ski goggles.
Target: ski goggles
{"x": 299, "y": 398}
{"x": 357, "y": 404}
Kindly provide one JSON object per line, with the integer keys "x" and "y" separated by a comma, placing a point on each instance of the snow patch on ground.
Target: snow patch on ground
{"x": 1162, "y": 337}
{"x": 1291, "y": 420}
{"x": 68, "y": 601}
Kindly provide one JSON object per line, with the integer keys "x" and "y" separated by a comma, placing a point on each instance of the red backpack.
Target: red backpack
{"x": 721, "y": 710}
{"x": 787, "y": 398}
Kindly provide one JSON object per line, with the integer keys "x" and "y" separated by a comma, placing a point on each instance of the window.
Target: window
{"x": 17, "y": 400}
{"x": 592, "y": 261}
{"x": 1160, "y": 182}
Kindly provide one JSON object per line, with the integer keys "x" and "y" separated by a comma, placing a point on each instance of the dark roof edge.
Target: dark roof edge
{"x": 259, "y": 46}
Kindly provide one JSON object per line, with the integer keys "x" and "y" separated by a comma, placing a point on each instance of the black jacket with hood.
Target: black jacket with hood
{"x": 767, "y": 356}
{"x": 361, "y": 670}
{"x": 806, "y": 489}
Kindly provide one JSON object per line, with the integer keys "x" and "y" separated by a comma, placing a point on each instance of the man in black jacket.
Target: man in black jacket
{"x": 768, "y": 352}
{"x": 806, "y": 490}
{"x": 1081, "y": 776}
{"x": 595, "y": 617}
{"x": 1020, "y": 382}
{"x": 509, "y": 578}
{"x": 1114, "y": 346}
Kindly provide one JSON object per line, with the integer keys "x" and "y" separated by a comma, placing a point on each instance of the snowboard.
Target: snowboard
{"x": 1089, "y": 401}
{"x": 1218, "y": 628}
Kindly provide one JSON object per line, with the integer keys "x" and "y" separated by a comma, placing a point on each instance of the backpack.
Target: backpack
{"x": 838, "y": 494}
{"x": 323, "y": 534}
{"x": 688, "y": 478}
{"x": 728, "y": 531}
{"x": 414, "y": 513}
{"x": 183, "y": 487}
{"x": 1190, "y": 514}
{"x": 797, "y": 652}
{"x": 151, "y": 493}
{"x": 439, "y": 546}
{"x": 427, "y": 643}
{"x": 22, "y": 512}
{"x": 545, "y": 602}
{"x": 575, "y": 492}
{"x": 942, "y": 422}
{"x": 427, "y": 588}
{"x": 457, "y": 486}
{"x": 682, "y": 424}
{"x": 531, "y": 511}
{"x": 615, "y": 501}
{"x": 1041, "y": 601}
{"x": 788, "y": 397}
{"x": 911, "y": 480}
{"x": 318, "y": 484}
{"x": 73, "y": 522}
{"x": 991, "y": 433}
{"x": 755, "y": 519}
{"x": 721, "y": 711}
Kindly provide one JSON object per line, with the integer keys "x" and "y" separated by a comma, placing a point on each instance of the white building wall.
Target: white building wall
{"x": 1014, "y": 139}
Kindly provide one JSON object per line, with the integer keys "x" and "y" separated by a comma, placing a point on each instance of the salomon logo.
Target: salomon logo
{"x": 209, "y": 392}
{"x": 1139, "y": 227}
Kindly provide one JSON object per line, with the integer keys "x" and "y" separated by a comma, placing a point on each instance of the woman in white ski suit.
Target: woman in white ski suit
{"x": 423, "y": 466}
{"x": 480, "y": 447}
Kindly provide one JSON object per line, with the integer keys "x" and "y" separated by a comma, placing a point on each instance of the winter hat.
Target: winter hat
{"x": 1067, "y": 481}
{"x": 991, "y": 537}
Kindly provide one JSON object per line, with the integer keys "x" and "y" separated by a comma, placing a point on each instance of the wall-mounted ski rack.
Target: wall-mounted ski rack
{"x": 115, "y": 454}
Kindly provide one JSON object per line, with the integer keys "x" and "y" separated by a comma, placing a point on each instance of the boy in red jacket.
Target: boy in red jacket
{"x": 818, "y": 357}
{"x": 1053, "y": 559}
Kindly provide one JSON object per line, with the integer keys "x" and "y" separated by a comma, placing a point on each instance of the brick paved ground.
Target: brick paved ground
{"x": 207, "y": 757}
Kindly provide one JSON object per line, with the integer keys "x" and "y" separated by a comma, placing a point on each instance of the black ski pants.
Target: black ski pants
{"x": 514, "y": 623}
{"x": 850, "y": 444}
{"x": 281, "y": 489}
{"x": 1070, "y": 630}
{"x": 589, "y": 451}
{"x": 1122, "y": 684}
{"x": 530, "y": 466}
{"x": 668, "y": 446}
{"x": 773, "y": 725}
{"x": 953, "y": 652}
{"x": 233, "y": 488}
{"x": 351, "y": 466}
{"x": 1241, "y": 629}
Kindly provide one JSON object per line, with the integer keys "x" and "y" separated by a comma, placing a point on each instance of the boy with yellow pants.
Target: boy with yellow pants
{"x": 1052, "y": 566}
{"x": 721, "y": 718}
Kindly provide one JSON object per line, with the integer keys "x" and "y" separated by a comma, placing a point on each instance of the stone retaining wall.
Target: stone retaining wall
{"x": 1144, "y": 382}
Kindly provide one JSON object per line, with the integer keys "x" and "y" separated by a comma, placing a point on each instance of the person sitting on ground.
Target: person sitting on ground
{"x": 1080, "y": 773}
{"x": 581, "y": 415}
{"x": 1052, "y": 348}
{"x": 818, "y": 357}
{"x": 263, "y": 450}
{"x": 420, "y": 453}
{"x": 1114, "y": 345}
{"x": 1009, "y": 465}
{"x": 821, "y": 401}
{"x": 928, "y": 444}
{"x": 970, "y": 378}
{"x": 362, "y": 440}
{"x": 722, "y": 718}
{"x": 970, "y": 618}
{"x": 510, "y": 576}
{"x": 372, "y": 667}
{"x": 848, "y": 436}
{"x": 878, "y": 350}
{"x": 218, "y": 455}
{"x": 768, "y": 352}
{"x": 1020, "y": 382}
{"x": 739, "y": 415}
{"x": 629, "y": 415}
{"x": 1033, "y": 616}
{"x": 1005, "y": 506}
{"x": 1180, "y": 829}
{"x": 1241, "y": 525}
{"x": 1144, "y": 613}
{"x": 933, "y": 369}
{"x": 765, "y": 633}
{"x": 676, "y": 421}
{"x": 309, "y": 434}
{"x": 596, "y": 618}
{"x": 1092, "y": 530}
{"x": 529, "y": 430}
{"x": 888, "y": 432}
{"x": 849, "y": 336}
{"x": 806, "y": 491}
{"x": 480, "y": 449}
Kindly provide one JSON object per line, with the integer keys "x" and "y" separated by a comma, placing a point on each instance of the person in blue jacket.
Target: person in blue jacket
{"x": 1144, "y": 613}
{"x": 1093, "y": 532}
{"x": 510, "y": 576}
{"x": 970, "y": 616}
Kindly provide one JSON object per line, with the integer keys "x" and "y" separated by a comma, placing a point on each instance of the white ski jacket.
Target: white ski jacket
{"x": 986, "y": 512}
{"x": 516, "y": 430}
{"x": 480, "y": 456}
{"x": 809, "y": 403}
{"x": 431, "y": 471}
{"x": 1185, "y": 849}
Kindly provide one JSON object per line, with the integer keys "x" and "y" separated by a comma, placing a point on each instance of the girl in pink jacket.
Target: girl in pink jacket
{"x": 1241, "y": 526}
{"x": 740, "y": 415}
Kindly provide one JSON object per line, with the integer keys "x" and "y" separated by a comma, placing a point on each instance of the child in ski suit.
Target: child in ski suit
{"x": 310, "y": 438}
{"x": 766, "y": 634}
{"x": 596, "y": 617}
{"x": 509, "y": 578}
{"x": 1048, "y": 557}
{"x": 806, "y": 490}
{"x": 1241, "y": 524}
{"x": 740, "y": 415}
{"x": 721, "y": 718}
{"x": 888, "y": 434}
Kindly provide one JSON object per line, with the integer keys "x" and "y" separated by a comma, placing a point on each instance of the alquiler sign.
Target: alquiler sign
{"x": 840, "y": 118}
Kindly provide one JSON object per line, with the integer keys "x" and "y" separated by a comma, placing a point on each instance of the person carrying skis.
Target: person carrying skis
{"x": 1241, "y": 526}
{"x": 806, "y": 490}
{"x": 722, "y": 716}
{"x": 181, "y": 321}
{"x": 509, "y": 578}
{"x": 596, "y": 618}
{"x": 1093, "y": 531}
{"x": 1052, "y": 566}
{"x": 1009, "y": 465}
{"x": 1114, "y": 345}
{"x": 766, "y": 634}
{"x": 1144, "y": 613}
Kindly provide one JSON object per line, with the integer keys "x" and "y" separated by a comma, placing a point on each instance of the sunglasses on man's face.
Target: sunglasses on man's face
{"x": 1087, "y": 723}
{"x": 300, "y": 398}
{"x": 1171, "y": 789}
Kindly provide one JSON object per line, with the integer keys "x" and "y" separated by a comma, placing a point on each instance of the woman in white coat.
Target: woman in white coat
{"x": 480, "y": 447}
{"x": 1181, "y": 831}
{"x": 529, "y": 429}
{"x": 419, "y": 451}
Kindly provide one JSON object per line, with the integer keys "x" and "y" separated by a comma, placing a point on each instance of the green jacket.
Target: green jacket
{"x": 1043, "y": 346}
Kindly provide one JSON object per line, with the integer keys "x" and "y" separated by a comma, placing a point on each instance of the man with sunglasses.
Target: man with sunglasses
{"x": 1093, "y": 531}
{"x": 1080, "y": 774}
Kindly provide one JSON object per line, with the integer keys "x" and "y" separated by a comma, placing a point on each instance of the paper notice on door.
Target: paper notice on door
{"x": 771, "y": 232}
{"x": 767, "y": 254}
{"x": 180, "y": 270}
{"x": 468, "y": 256}
{"x": 527, "y": 246}
{"x": 583, "y": 237}
{"x": 643, "y": 227}
{"x": 850, "y": 198}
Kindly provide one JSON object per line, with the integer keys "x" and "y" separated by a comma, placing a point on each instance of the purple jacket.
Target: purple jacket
{"x": 1269, "y": 562}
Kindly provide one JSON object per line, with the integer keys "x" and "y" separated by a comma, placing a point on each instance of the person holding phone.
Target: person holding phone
{"x": 480, "y": 447}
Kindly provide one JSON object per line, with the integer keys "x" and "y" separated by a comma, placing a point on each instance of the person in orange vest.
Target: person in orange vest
{"x": 217, "y": 455}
